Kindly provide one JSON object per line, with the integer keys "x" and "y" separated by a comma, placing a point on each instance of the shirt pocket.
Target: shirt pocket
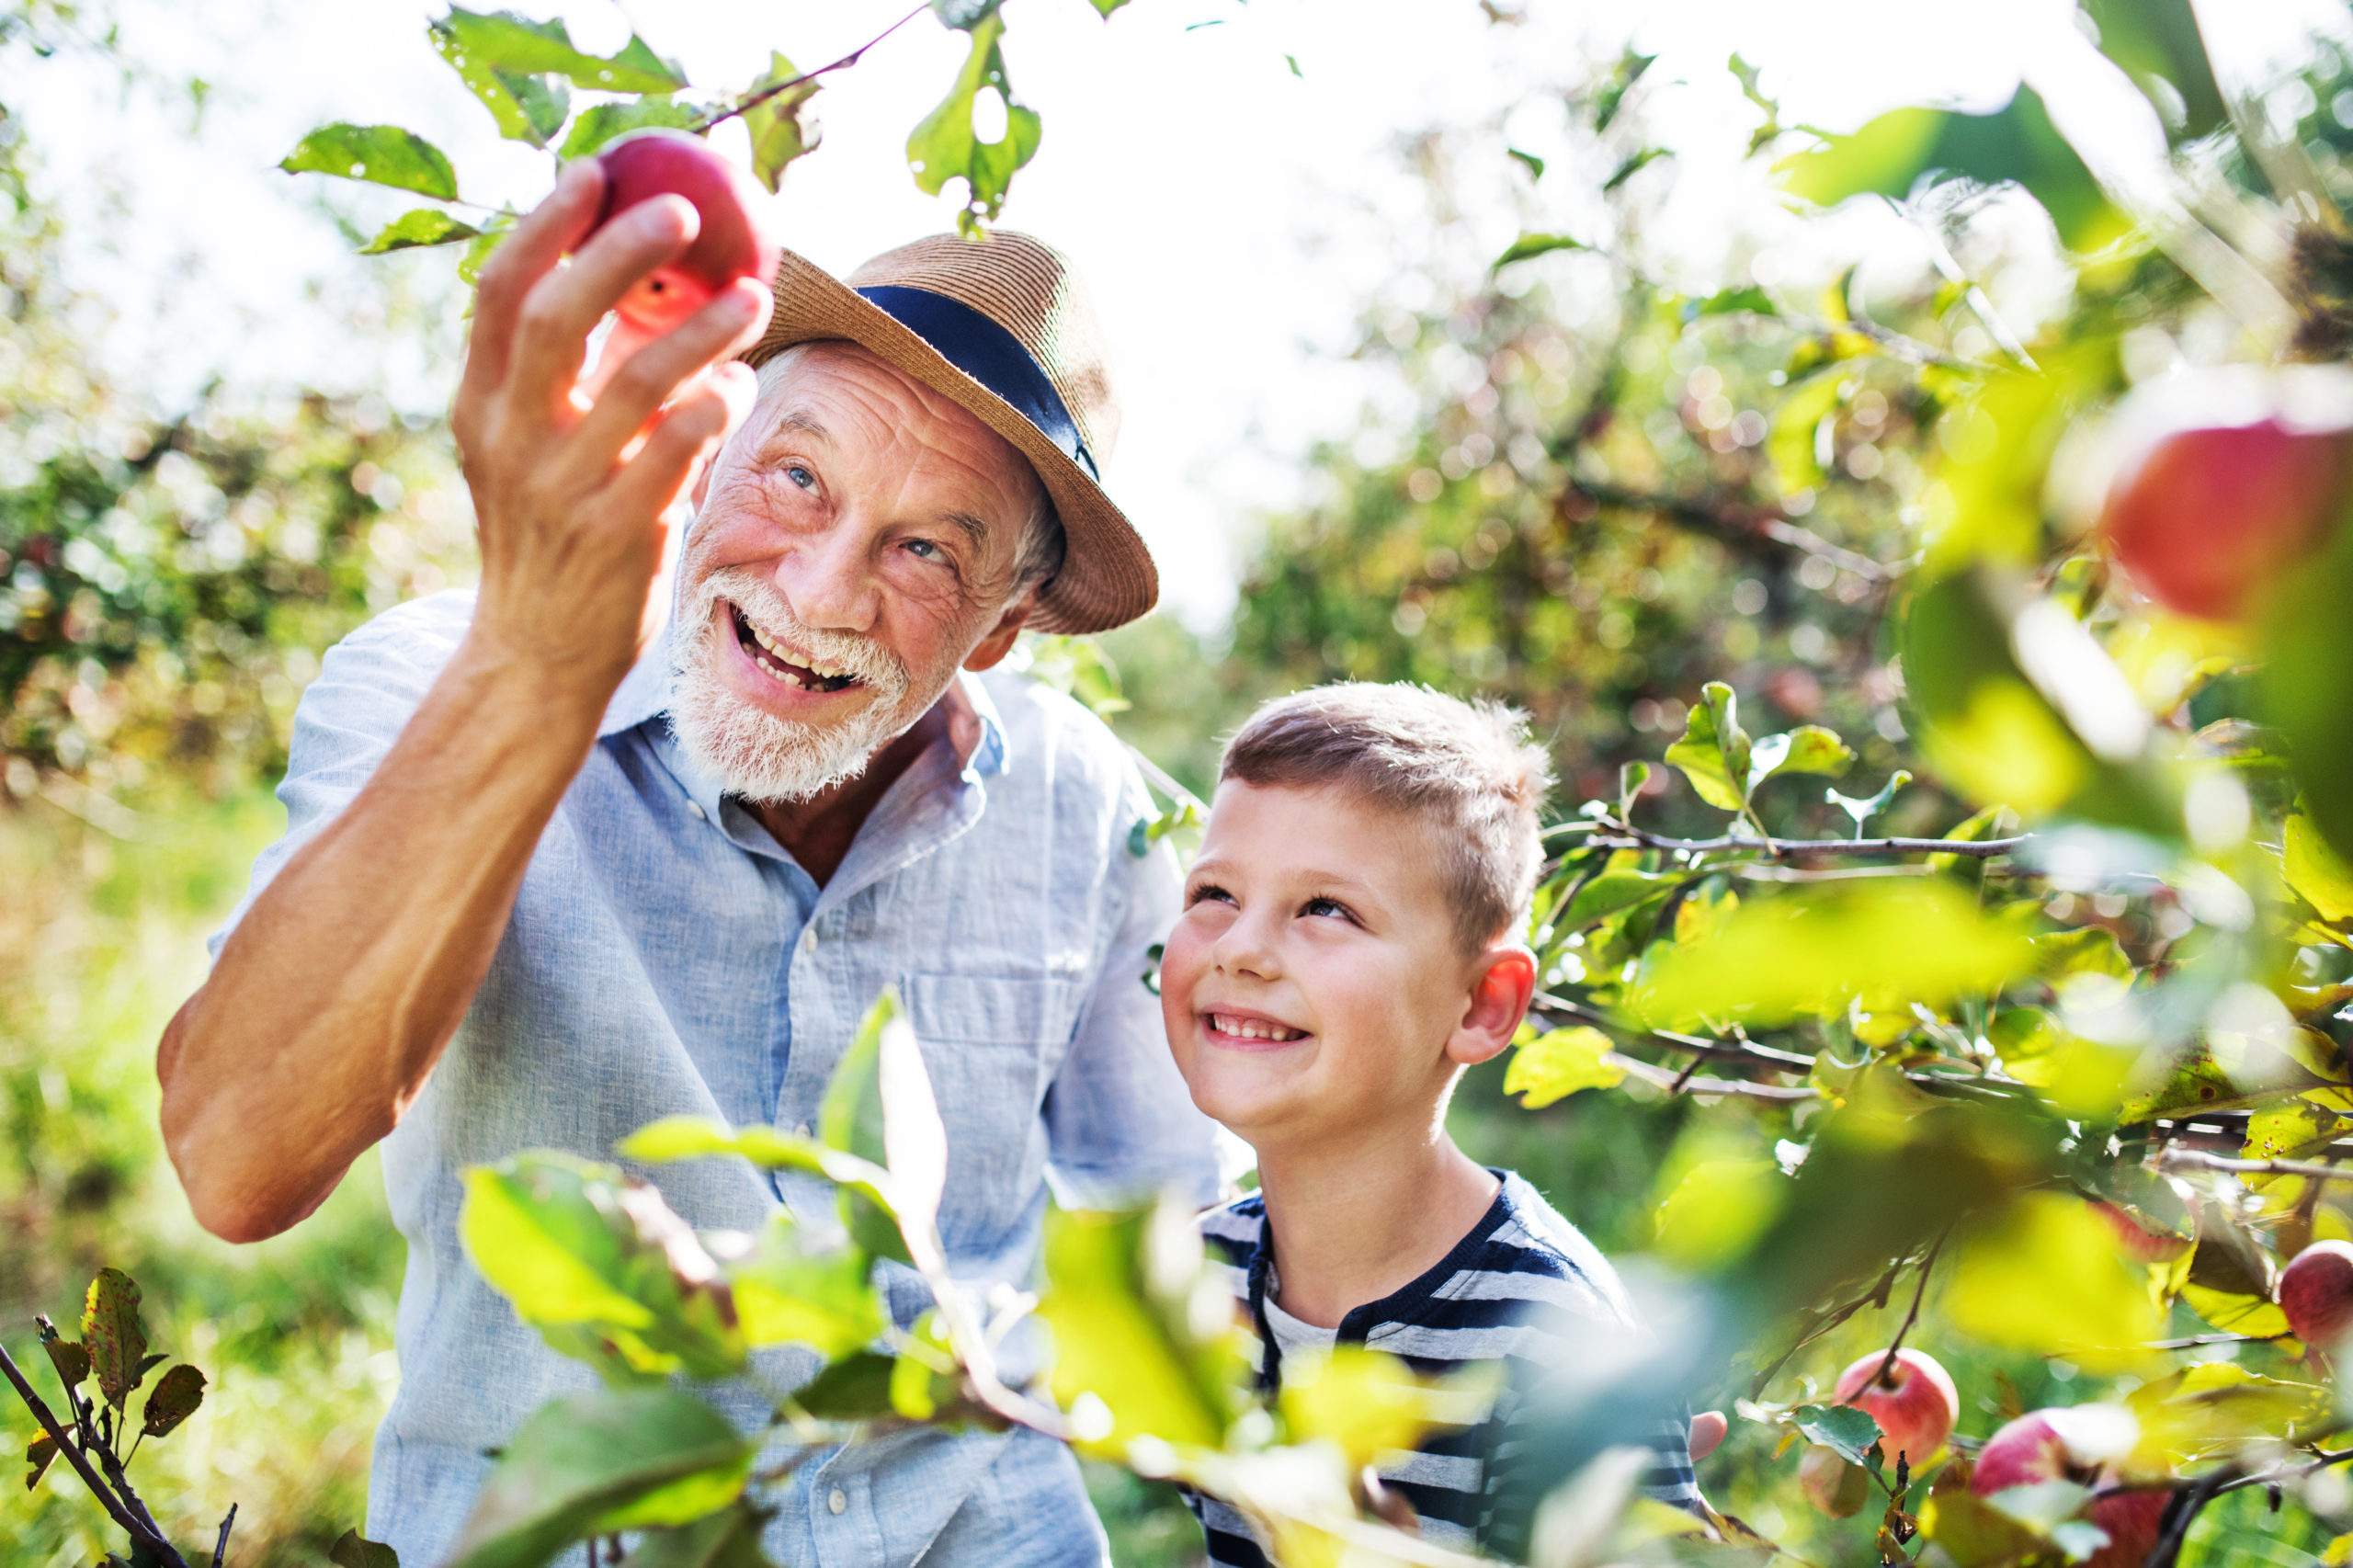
{"x": 986, "y": 1039}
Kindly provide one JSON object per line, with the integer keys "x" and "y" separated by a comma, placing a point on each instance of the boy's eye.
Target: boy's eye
{"x": 1328, "y": 907}
{"x": 1208, "y": 892}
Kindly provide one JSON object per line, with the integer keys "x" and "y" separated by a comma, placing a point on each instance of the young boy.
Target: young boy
{"x": 1351, "y": 941}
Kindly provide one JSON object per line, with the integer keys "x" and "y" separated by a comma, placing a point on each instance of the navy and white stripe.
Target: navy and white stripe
{"x": 1522, "y": 1289}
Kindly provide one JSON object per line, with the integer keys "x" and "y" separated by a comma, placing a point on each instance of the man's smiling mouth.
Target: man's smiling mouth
{"x": 790, "y": 668}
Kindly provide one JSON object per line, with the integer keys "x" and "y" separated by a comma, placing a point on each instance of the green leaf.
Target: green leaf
{"x": 1863, "y": 809}
{"x": 2015, "y": 144}
{"x": 1120, "y": 1298}
{"x": 1534, "y": 165}
{"x": 851, "y": 1119}
{"x": 1790, "y": 441}
{"x": 501, "y": 40}
{"x": 380, "y": 155}
{"x": 1807, "y": 749}
{"x": 1717, "y": 1209}
{"x": 945, "y": 146}
{"x": 2319, "y": 875}
{"x": 172, "y": 1401}
{"x": 1108, "y": 6}
{"x": 729, "y": 1539}
{"x": 352, "y": 1550}
{"x": 856, "y": 1388}
{"x": 1841, "y": 1427}
{"x": 596, "y": 1264}
{"x": 1555, "y": 1065}
{"x": 423, "y": 226}
{"x": 1748, "y": 299}
{"x": 112, "y": 1331}
{"x": 1613, "y": 892}
{"x": 913, "y": 1136}
{"x": 2158, "y": 43}
{"x": 2046, "y": 1277}
{"x": 477, "y": 254}
{"x": 781, "y": 127}
{"x": 1531, "y": 245}
{"x": 789, "y": 1292}
{"x": 603, "y": 122}
{"x": 1612, "y": 98}
{"x": 1809, "y": 954}
{"x": 594, "y": 1463}
{"x": 964, "y": 15}
{"x": 41, "y": 1453}
{"x": 1714, "y": 751}
{"x": 1633, "y": 165}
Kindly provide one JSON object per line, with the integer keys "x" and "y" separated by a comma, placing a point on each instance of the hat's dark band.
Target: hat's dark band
{"x": 990, "y": 355}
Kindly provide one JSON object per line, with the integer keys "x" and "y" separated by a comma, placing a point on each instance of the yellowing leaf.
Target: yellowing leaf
{"x": 2235, "y": 1314}
{"x": 2007, "y": 747}
{"x": 2319, "y": 875}
{"x": 1553, "y": 1066}
{"x": 1368, "y": 1403}
{"x": 1719, "y": 1206}
{"x": 2046, "y": 1277}
{"x": 1886, "y": 945}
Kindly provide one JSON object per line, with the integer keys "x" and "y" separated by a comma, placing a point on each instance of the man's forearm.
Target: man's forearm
{"x": 338, "y": 990}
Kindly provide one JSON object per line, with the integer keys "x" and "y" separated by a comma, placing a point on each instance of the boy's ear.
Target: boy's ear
{"x": 1503, "y": 980}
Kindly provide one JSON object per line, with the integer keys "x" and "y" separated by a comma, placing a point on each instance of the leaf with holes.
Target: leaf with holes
{"x": 115, "y": 1336}
{"x": 501, "y": 40}
{"x": 948, "y": 146}
{"x": 782, "y": 128}
{"x": 379, "y": 155}
{"x": 423, "y": 226}
{"x": 172, "y": 1401}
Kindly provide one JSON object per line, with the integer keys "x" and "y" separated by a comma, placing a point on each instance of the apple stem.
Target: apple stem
{"x": 1919, "y": 1293}
{"x": 755, "y": 100}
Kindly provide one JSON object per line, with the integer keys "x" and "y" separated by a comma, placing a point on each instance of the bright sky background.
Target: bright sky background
{"x": 1226, "y": 212}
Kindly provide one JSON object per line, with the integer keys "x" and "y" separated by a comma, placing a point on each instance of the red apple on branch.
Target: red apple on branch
{"x": 1915, "y": 1402}
{"x": 2316, "y": 1292}
{"x": 2223, "y": 479}
{"x": 737, "y": 240}
{"x": 2086, "y": 1444}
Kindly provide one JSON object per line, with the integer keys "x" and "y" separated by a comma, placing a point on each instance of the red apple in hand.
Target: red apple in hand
{"x": 2223, "y": 479}
{"x": 2083, "y": 1444}
{"x": 737, "y": 240}
{"x": 2316, "y": 1292}
{"x": 1915, "y": 1405}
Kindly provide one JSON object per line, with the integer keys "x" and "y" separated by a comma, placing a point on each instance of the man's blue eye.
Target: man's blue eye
{"x": 924, "y": 548}
{"x": 800, "y": 476}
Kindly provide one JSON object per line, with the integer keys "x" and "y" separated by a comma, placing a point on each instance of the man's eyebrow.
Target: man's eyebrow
{"x": 806, "y": 423}
{"x": 973, "y": 527}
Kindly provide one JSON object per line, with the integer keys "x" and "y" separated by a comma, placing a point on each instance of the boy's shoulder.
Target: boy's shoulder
{"x": 1231, "y": 1232}
{"x": 1533, "y": 1241}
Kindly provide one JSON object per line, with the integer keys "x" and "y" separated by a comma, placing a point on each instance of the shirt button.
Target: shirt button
{"x": 809, "y": 940}
{"x": 696, "y": 806}
{"x": 837, "y": 1500}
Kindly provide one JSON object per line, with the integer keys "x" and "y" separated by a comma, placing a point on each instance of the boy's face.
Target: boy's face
{"x": 1315, "y": 984}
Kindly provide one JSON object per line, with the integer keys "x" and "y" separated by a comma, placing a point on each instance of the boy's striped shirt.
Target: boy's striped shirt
{"x": 1512, "y": 1291}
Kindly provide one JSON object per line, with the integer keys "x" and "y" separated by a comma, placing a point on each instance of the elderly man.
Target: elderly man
{"x": 587, "y": 846}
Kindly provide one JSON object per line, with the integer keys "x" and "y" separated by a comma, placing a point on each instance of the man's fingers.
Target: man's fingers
{"x": 551, "y": 334}
{"x": 687, "y": 435}
{"x": 635, "y": 389}
{"x": 528, "y": 255}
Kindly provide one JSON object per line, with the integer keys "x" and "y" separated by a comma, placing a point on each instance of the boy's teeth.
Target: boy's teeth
{"x": 1250, "y": 1028}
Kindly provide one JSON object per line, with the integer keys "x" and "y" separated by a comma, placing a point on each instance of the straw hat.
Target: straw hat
{"x": 1004, "y": 327}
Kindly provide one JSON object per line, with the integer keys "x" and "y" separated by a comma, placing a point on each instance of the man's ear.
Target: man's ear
{"x": 993, "y": 648}
{"x": 1503, "y": 982}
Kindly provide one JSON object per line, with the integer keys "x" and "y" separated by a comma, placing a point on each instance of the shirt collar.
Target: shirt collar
{"x": 974, "y": 731}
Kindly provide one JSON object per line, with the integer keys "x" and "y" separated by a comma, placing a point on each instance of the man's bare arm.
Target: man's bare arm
{"x": 339, "y": 989}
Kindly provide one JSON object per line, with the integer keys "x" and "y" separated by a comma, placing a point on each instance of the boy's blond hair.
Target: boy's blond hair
{"x": 1466, "y": 769}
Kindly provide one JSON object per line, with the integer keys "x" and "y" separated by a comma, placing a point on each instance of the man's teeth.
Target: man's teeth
{"x": 1251, "y": 1029}
{"x": 817, "y": 667}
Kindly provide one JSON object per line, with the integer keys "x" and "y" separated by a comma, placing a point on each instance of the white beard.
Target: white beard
{"x": 765, "y": 759}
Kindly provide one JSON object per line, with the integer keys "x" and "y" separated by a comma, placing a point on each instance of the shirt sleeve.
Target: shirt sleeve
{"x": 368, "y": 686}
{"x": 1121, "y": 1125}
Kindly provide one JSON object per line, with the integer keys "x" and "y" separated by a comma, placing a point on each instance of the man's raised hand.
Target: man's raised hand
{"x": 570, "y": 495}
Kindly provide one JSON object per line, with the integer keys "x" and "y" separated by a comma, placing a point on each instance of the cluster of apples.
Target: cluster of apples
{"x": 2223, "y": 479}
{"x": 1913, "y": 1399}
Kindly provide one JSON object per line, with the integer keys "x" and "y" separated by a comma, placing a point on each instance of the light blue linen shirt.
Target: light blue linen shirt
{"x": 666, "y": 956}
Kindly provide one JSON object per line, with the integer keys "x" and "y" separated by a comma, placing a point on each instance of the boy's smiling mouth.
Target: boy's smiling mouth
{"x": 1247, "y": 1031}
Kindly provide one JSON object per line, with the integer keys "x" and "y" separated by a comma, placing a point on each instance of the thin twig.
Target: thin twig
{"x": 2200, "y": 1160}
{"x": 1826, "y": 1319}
{"x": 1624, "y": 836}
{"x": 144, "y": 1535}
{"x": 755, "y": 99}
{"x": 220, "y": 1546}
{"x": 1766, "y": 522}
{"x": 2193, "y": 1341}
{"x": 1721, "y": 1050}
{"x": 1681, "y": 1083}
{"x": 2186, "y": 1506}
{"x": 1927, "y": 1264}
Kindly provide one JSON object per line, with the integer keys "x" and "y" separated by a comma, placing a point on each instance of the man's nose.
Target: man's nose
{"x": 828, "y": 579}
